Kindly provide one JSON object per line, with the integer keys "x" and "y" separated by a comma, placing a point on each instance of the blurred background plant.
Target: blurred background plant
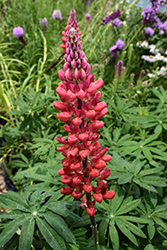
{"x": 135, "y": 127}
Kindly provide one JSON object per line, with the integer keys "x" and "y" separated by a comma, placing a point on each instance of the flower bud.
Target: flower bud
{"x": 76, "y": 74}
{"x": 68, "y": 75}
{"x": 61, "y": 75}
{"x": 82, "y": 75}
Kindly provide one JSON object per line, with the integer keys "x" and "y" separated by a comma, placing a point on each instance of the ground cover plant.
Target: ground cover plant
{"x": 105, "y": 72}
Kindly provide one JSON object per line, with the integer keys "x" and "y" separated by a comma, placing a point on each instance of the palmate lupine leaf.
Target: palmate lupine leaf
{"x": 118, "y": 217}
{"x": 37, "y": 213}
{"x": 127, "y": 172}
{"x": 156, "y": 214}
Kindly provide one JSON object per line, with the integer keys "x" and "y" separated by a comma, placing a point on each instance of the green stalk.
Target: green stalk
{"x": 138, "y": 31}
{"x": 130, "y": 189}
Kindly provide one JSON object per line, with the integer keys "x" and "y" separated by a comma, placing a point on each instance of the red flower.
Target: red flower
{"x": 81, "y": 109}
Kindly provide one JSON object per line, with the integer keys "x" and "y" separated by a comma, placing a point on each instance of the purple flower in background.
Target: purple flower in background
{"x": 118, "y": 70}
{"x": 87, "y": 17}
{"x": 116, "y": 22}
{"x": 115, "y": 48}
{"x": 165, "y": 26}
{"x": 149, "y": 32}
{"x": 120, "y": 44}
{"x": 150, "y": 14}
{"x": 18, "y": 31}
{"x": 43, "y": 21}
{"x": 111, "y": 17}
{"x": 57, "y": 14}
{"x": 146, "y": 14}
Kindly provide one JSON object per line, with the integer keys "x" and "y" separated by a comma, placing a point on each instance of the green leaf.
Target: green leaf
{"x": 34, "y": 199}
{"x": 102, "y": 231}
{"x": 115, "y": 203}
{"x": 126, "y": 232}
{"x": 149, "y": 247}
{"x": 79, "y": 232}
{"x": 145, "y": 186}
{"x": 125, "y": 178}
{"x": 27, "y": 232}
{"x": 154, "y": 180}
{"x": 151, "y": 230}
{"x": 114, "y": 235}
{"x": 135, "y": 219}
{"x": 136, "y": 166}
{"x": 150, "y": 171}
{"x": 132, "y": 227}
{"x": 59, "y": 208}
{"x": 60, "y": 226}
{"x": 25, "y": 123}
{"x": 12, "y": 244}
{"x": 11, "y": 215}
{"x": 10, "y": 229}
{"x": 147, "y": 153}
{"x": 13, "y": 200}
{"x": 162, "y": 215}
{"x": 160, "y": 222}
{"x": 158, "y": 129}
{"x": 128, "y": 207}
{"x": 52, "y": 238}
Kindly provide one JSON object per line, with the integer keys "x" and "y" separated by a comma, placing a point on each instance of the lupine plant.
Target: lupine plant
{"x": 84, "y": 164}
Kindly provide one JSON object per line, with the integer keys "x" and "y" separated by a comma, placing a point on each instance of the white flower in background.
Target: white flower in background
{"x": 159, "y": 57}
{"x": 153, "y": 49}
{"x": 127, "y": 12}
{"x": 143, "y": 44}
{"x": 166, "y": 52}
{"x": 149, "y": 58}
{"x": 165, "y": 59}
{"x": 151, "y": 75}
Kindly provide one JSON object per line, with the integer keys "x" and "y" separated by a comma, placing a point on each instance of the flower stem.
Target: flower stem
{"x": 94, "y": 232}
{"x": 138, "y": 31}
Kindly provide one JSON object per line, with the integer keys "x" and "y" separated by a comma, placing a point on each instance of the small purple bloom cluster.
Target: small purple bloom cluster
{"x": 150, "y": 14}
{"x": 18, "y": 31}
{"x": 44, "y": 22}
{"x": 116, "y": 22}
{"x": 57, "y": 14}
{"x": 115, "y": 48}
{"x": 112, "y": 16}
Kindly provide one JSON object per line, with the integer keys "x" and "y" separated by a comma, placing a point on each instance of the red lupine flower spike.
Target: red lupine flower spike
{"x": 81, "y": 109}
